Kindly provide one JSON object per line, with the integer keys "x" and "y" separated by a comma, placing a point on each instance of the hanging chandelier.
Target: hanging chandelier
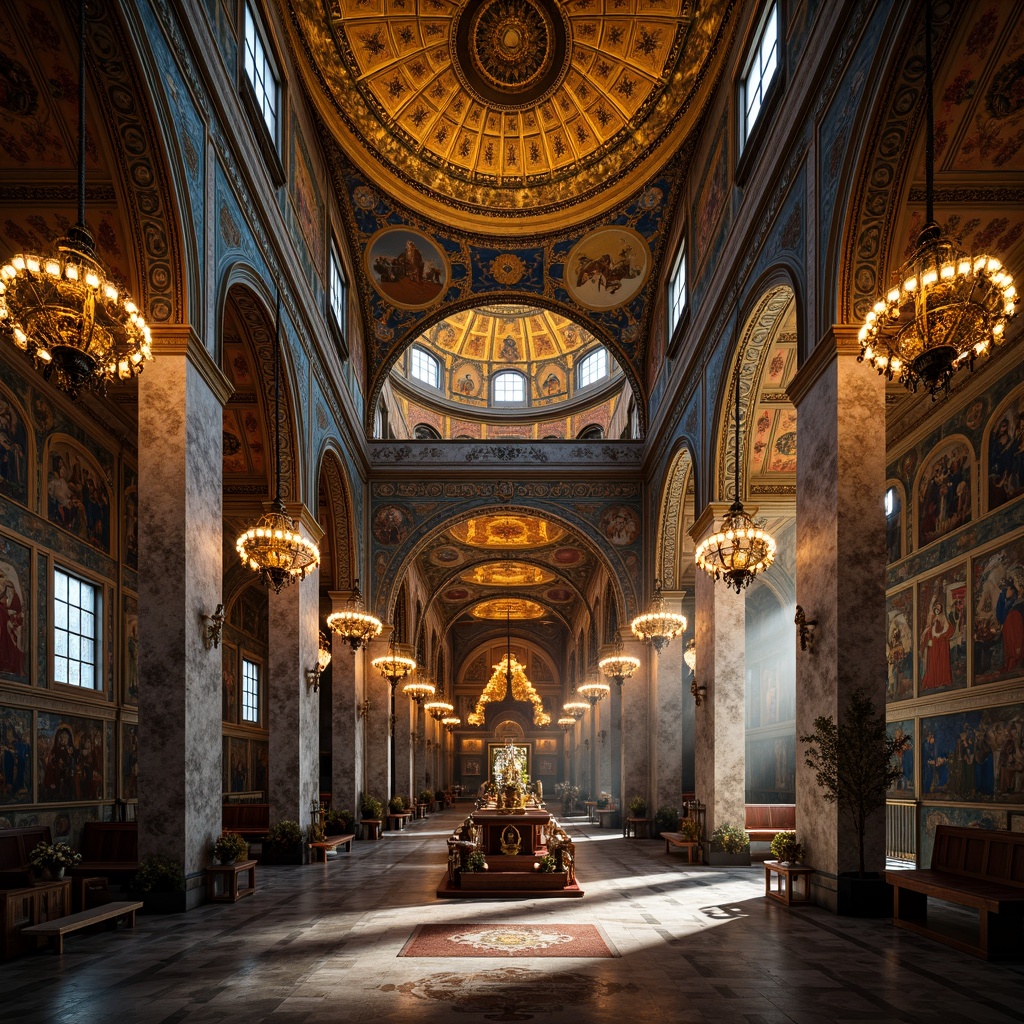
{"x": 274, "y": 547}
{"x": 594, "y": 691}
{"x": 439, "y": 708}
{"x": 62, "y": 310}
{"x": 451, "y": 722}
{"x": 566, "y": 722}
{"x": 945, "y": 308}
{"x": 690, "y": 654}
{"x": 419, "y": 690}
{"x": 617, "y": 665}
{"x": 700, "y": 691}
{"x": 658, "y": 626}
{"x": 397, "y": 663}
{"x": 576, "y": 708}
{"x": 357, "y": 626}
{"x": 740, "y": 549}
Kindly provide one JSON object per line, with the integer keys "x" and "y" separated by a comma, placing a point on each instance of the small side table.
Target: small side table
{"x": 421, "y": 810}
{"x": 372, "y": 828}
{"x": 231, "y": 891}
{"x": 396, "y": 822}
{"x": 591, "y": 806}
{"x": 638, "y": 828}
{"x": 788, "y": 875}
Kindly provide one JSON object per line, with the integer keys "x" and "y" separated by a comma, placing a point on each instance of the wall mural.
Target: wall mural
{"x": 899, "y": 645}
{"x": 944, "y": 490}
{"x": 1005, "y": 446}
{"x": 407, "y": 267}
{"x": 14, "y": 451}
{"x": 961, "y": 817}
{"x": 904, "y": 787}
{"x": 15, "y": 756}
{"x": 229, "y": 682}
{"x": 998, "y": 583}
{"x": 69, "y": 758}
{"x": 607, "y": 267}
{"x": 942, "y": 634}
{"x": 15, "y": 610}
{"x": 78, "y": 494}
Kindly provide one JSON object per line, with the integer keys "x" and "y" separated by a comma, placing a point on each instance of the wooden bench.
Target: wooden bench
{"x": 331, "y": 843}
{"x": 62, "y": 926}
{"x": 765, "y": 821}
{"x": 110, "y": 849}
{"x": 679, "y": 840}
{"x": 250, "y": 821}
{"x": 974, "y": 867}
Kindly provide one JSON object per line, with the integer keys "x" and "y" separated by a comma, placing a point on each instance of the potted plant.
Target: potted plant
{"x": 476, "y": 861}
{"x": 396, "y": 805}
{"x": 160, "y": 884}
{"x": 638, "y": 807}
{"x": 371, "y": 810}
{"x": 283, "y": 844}
{"x": 729, "y": 846}
{"x": 50, "y": 859}
{"x": 855, "y": 762}
{"x": 338, "y": 823}
{"x": 230, "y": 847}
{"x": 426, "y": 797}
{"x": 546, "y": 864}
{"x": 785, "y": 849}
{"x": 666, "y": 819}
{"x": 689, "y": 829}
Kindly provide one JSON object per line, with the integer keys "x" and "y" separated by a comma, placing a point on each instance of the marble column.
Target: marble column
{"x": 376, "y": 723}
{"x": 636, "y": 738}
{"x": 346, "y": 697}
{"x": 405, "y": 728}
{"x": 666, "y": 675}
{"x": 293, "y": 708}
{"x": 181, "y": 396}
{"x": 720, "y": 627}
{"x": 840, "y": 578}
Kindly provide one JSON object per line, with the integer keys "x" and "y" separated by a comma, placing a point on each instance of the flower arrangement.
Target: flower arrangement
{"x": 689, "y": 829}
{"x": 546, "y": 864}
{"x": 730, "y": 839}
{"x": 284, "y": 833}
{"x": 50, "y": 856}
{"x": 426, "y": 797}
{"x": 785, "y": 848}
{"x": 230, "y": 847}
{"x": 338, "y": 823}
{"x": 476, "y": 861}
{"x": 315, "y": 832}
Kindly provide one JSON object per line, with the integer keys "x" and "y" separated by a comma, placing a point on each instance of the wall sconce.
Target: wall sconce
{"x": 700, "y": 693}
{"x": 363, "y": 708}
{"x": 213, "y": 627}
{"x": 323, "y": 659}
{"x": 586, "y": 743}
{"x": 805, "y": 628}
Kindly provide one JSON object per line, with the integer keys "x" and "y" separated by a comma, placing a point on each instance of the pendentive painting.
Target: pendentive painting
{"x": 78, "y": 496}
{"x": 998, "y": 641}
{"x": 899, "y": 645}
{"x": 14, "y": 454}
{"x": 942, "y": 631}
{"x": 69, "y": 758}
{"x": 607, "y": 267}
{"x": 974, "y": 756}
{"x": 944, "y": 491}
{"x": 903, "y": 787}
{"x": 15, "y": 588}
{"x": 407, "y": 268}
{"x": 15, "y": 756}
{"x": 1006, "y": 453}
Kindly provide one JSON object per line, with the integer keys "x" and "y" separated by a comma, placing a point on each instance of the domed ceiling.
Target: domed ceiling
{"x": 510, "y": 107}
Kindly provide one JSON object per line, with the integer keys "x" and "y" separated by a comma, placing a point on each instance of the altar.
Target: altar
{"x": 529, "y": 828}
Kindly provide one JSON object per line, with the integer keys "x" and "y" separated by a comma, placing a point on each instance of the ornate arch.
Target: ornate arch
{"x": 338, "y": 525}
{"x": 672, "y": 538}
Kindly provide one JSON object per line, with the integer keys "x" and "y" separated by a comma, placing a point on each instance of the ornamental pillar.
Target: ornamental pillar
{"x": 376, "y": 723}
{"x": 347, "y": 684}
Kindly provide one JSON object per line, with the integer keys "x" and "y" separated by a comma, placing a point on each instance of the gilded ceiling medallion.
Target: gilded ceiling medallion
{"x": 507, "y": 574}
{"x": 507, "y": 268}
{"x": 508, "y": 607}
{"x": 506, "y": 531}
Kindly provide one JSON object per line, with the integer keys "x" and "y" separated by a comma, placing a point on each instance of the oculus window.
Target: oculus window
{"x": 759, "y": 71}
{"x": 76, "y": 631}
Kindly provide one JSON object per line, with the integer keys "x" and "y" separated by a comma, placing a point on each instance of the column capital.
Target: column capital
{"x": 182, "y": 340}
{"x": 839, "y": 341}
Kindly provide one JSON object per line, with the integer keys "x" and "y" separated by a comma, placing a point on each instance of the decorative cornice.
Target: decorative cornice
{"x": 428, "y": 453}
{"x": 182, "y": 340}
{"x": 54, "y": 195}
{"x": 841, "y": 340}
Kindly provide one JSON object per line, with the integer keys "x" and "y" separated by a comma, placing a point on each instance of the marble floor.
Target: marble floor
{"x": 320, "y": 944}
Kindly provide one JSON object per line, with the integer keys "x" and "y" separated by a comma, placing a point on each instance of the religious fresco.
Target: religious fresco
{"x": 942, "y": 631}
{"x": 711, "y": 197}
{"x": 78, "y": 494}
{"x": 391, "y": 524}
{"x": 407, "y": 267}
{"x": 129, "y": 761}
{"x": 16, "y": 761}
{"x": 260, "y": 752}
{"x": 960, "y": 817}
{"x": 771, "y": 771}
{"x": 944, "y": 490}
{"x": 512, "y": 607}
{"x": 130, "y": 515}
{"x": 229, "y": 682}
{"x": 997, "y": 590}
{"x": 66, "y": 826}
{"x": 1005, "y": 453}
{"x": 974, "y": 756}
{"x": 621, "y": 525}
{"x": 15, "y": 611}
{"x": 904, "y": 787}
{"x": 307, "y": 199}
{"x": 131, "y": 649}
{"x": 69, "y": 759}
{"x": 507, "y": 574}
{"x": 607, "y": 267}
{"x": 899, "y": 645}
{"x": 236, "y": 765}
{"x": 14, "y": 450}
{"x": 507, "y": 531}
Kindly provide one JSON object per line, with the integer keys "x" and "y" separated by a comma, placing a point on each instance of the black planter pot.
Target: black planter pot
{"x": 868, "y": 895}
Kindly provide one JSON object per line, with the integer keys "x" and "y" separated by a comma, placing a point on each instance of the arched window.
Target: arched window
{"x": 425, "y": 432}
{"x": 893, "y": 507}
{"x": 595, "y": 432}
{"x": 509, "y": 388}
{"x": 592, "y": 367}
{"x": 424, "y": 367}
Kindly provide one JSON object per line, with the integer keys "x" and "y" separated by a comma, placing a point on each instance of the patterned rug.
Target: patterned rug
{"x": 507, "y": 940}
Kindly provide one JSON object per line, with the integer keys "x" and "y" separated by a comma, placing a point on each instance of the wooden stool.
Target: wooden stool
{"x": 231, "y": 891}
{"x": 372, "y": 828}
{"x": 638, "y": 828}
{"x": 787, "y": 874}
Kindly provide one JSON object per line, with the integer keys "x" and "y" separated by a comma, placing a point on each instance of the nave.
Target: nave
{"x": 322, "y": 943}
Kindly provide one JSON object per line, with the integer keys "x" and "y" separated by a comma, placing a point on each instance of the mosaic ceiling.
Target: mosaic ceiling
{"x": 510, "y": 107}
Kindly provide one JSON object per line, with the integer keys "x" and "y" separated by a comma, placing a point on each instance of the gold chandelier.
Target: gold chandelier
{"x": 440, "y": 707}
{"x": 509, "y": 675}
{"x": 656, "y": 625}
{"x": 357, "y": 626}
{"x": 62, "y": 310}
{"x": 566, "y": 722}
{"x": 419, "y": 690}
{"x": 740, "y": 549}
{"x": 594, "y": 691}
{"x": 451, "y": 722}
{"x": 576, "y": 708}
{"x": 945, "y": 308}
{"x": 396, "y": 664}
{"x": 617, "y": 665}
{"x": 274, "y": 547}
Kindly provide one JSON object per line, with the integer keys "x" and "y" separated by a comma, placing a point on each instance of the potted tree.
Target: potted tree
{"x": 666, "y": 819}
{"x": 729, "y": 846}
{"x": 160, "y": 884}
{"x": 854, "y": 763}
